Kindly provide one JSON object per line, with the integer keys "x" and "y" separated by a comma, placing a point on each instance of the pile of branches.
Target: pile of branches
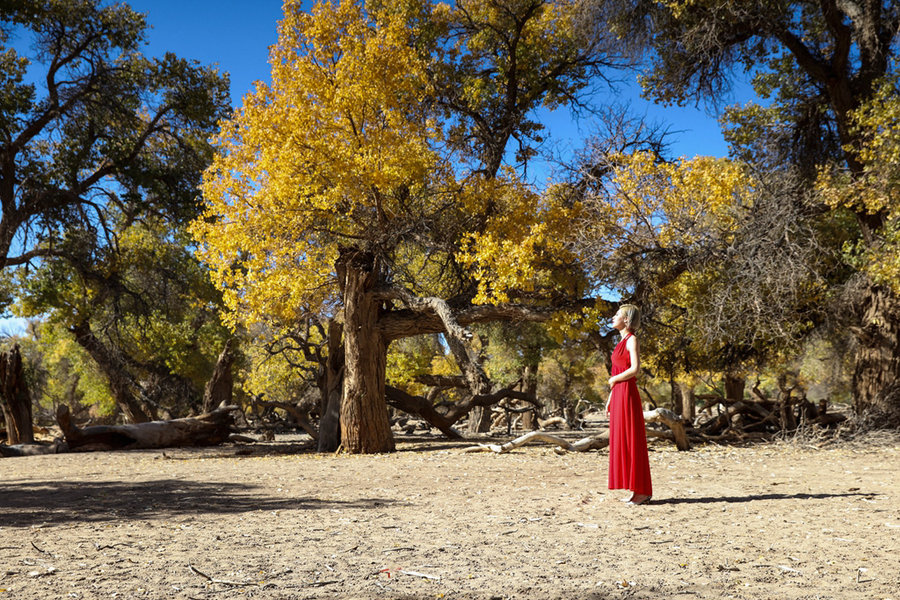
{"x": 760, "y": 417}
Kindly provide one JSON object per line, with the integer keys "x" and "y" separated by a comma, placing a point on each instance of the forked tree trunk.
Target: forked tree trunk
{"x": 365, "y": 427}
{"x": 331, "y": 388}
{"x": 876, "y": 377}
{"x": 15, "y": 399}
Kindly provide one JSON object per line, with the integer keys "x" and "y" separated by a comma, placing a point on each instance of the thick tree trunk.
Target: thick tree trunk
{"x": 331, "y": 389}
{"x": 876, "y": 378}
{"x": 124, "y": 389}
{"x": 734, "y": 387}
{"x": 220, "y": 387}
{"x": 15, "y": 399}
{"x": 365, "y": 427}
{"x": 688, "y": 402}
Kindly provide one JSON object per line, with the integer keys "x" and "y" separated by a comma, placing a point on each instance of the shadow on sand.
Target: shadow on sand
{"x": 757, "y": 498}
{"x": 30, "y": 503}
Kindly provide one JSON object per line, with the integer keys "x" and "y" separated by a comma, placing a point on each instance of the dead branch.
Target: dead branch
{"x": 222, "y": 581}
{"x": 291, "y": 409}
{"x": 417, "y": 405}
{"x": 673, "y": 422}
{"x": 582, "y": 445}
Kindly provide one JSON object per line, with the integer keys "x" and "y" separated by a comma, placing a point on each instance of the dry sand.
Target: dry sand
{"x": 781, "y": 520}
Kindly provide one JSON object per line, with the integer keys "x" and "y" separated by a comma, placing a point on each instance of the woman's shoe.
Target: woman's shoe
{"x": 645, "y": 500}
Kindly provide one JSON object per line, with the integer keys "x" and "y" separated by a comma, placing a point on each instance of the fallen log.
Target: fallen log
{"x": 663, "y": 415}
{"x": 673, "y": 422}
{"x": 208, "y": 429}
{"x": 33, "y": 449}
{"x": 562, "y": 445}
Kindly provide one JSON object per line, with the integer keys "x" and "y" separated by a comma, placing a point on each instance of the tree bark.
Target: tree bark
{"x": 205, "y": 430}
{"x": 124, "y": 388}
{"x": 734, "y": 387}
{"x": 220, "y": 387}
{"x": 417, "y": 405}
{"x": 365, "y": 427}
{"x": 688, "y": 402}
{"x": 876, "y": 378}
{"x": 331, "y": 388}
{"x": 529, "y": 386}
{"x": 15, "y": 399}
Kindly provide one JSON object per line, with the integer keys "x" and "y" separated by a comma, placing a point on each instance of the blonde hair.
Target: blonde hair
{"x": 632, "y": 316}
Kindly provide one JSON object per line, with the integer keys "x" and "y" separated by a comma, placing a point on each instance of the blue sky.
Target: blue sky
{"x": 236, "y": 35}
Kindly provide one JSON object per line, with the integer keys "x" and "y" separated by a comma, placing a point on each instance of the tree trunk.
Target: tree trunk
{"x": 220, "y": 387}
{"x": 477, "y": 381}
{"x": 529, "y": 386}
{"x": 331, "y": 387}
{"x": 876, "y": 378}
{"x": 677, "y": 399}
{"x": 688, "y": 402}
{"x": 365, "y": 427}
{"x": 734, "y": 387}
{"x": 15, "y": 399}
{"x": 124, "y": 389}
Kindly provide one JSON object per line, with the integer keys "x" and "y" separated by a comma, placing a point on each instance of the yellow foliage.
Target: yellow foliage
{"x": 323, "y": 155}
{"x": 524, "y": 244}
{"x": 876, "y": 191}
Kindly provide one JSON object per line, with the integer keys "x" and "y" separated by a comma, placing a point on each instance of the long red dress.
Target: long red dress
{"x": 629, "y": 463}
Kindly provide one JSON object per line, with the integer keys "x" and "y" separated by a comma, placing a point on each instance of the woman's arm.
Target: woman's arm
{"x": 631, "y": 344}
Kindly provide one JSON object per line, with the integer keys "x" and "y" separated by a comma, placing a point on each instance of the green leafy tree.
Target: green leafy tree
{"x": 101, "y": 154}
{"x": 143, "y": 310}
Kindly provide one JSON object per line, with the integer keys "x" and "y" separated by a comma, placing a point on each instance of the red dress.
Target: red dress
{"x": 629, "y": 463}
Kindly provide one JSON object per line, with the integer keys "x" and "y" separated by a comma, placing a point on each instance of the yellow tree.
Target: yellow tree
{"x": 817, "y": 64}
{"x": 726, "y": 263}
{"x": 346, "y": 189}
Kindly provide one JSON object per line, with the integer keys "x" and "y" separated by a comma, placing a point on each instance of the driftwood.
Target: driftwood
{"x": 583, "y": 445}
{"x": 760, "y": 416}
{"x": 673, "y": 422}
{"x": 207, "y": 429}
{"x": 662, "y": 415}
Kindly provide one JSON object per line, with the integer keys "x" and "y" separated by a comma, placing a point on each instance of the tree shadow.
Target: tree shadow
{"x": 757, "y": 497}
{"x": 25, "y": 504}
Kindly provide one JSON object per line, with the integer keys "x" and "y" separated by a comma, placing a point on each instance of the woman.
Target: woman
{"x": 629, "y": 463}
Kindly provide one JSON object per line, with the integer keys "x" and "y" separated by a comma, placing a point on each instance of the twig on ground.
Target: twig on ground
{"x": 222, "y": 581}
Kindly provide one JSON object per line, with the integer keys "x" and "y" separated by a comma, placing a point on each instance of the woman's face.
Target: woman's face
{"x": 618, "y": 321}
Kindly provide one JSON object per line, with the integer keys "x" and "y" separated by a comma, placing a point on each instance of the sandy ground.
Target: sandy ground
{"x": 781, "y": 520}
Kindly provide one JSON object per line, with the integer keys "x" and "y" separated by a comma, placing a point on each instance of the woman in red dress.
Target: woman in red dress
{"x": 629, "y": 463}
